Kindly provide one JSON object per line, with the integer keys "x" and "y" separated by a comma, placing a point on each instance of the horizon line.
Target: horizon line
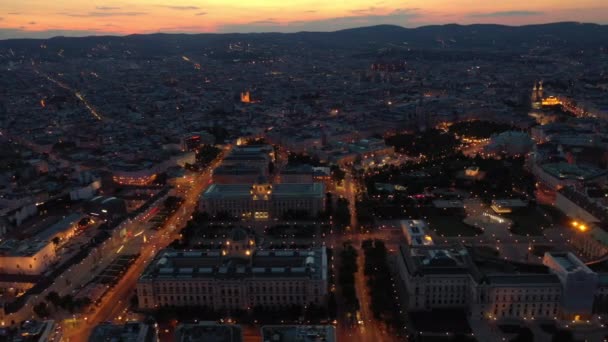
{"x": 117, "y": 35}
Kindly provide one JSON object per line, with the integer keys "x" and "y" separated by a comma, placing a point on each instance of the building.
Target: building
{"x": 415, "y": 233}
{"x": 508, "y": 205}
{"x": 512, "y": 143}
{"x": 297, "y": 174}
{"x": 258, "y": 156}
{"x": 36, "y": 331}
{"x": 194, "y": 140}
{"x": 30, "y": 257}
{"x": 437, "y": 276}
{"x": 578, "y": 281}
{"x": 589, "y": 214}
{"x": 513, "y": 295}
{"x": 132, "y": 332}
{"x": 61, "y": 230}
{"x": 208, "y": 332}
{"x": 298, "y": 333}
{"x": 237, "y": 174}
{"x": 106, "y": 207}
{"x": 580, "y": 206}
{"x": 236, "y": 278}
{"x": 559, "y": 175}
{"x": 263, "y": 201}
{"x": 591, "y": 242}
{"x": 15, "y": 285}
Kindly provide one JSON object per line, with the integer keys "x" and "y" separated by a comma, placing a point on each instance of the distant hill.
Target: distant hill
{"x": 565, "y": 35}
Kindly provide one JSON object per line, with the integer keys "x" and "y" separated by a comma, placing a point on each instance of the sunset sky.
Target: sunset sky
{"x": 45, "y": 18}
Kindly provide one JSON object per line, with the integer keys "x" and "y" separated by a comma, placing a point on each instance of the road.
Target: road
{"x": 371, "y": 329}
{"x": 115, "y": 303}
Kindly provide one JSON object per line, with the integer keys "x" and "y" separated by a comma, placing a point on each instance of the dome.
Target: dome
{"x": 511, "y": 142}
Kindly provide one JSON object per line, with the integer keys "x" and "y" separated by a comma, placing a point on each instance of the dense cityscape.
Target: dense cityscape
{"x": 445, "y": 183}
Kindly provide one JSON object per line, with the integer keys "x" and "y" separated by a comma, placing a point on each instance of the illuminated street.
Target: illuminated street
{"x": 114, "y": 303}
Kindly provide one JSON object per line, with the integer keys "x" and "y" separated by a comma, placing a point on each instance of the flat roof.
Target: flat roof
{"x": 298, "y": 333}
{"x": 208, "y": 332}
{"x": 129, "y": 332}
{"x": 21, "y": 248}
{"x": 63, "y": 225}
{"x": 437, "y": 260}
{"x": 278, "y": 190}
{"x": 237, "y": 169}
{"x": 170, "y": 263}
{"x": 514, "y": 279}
{"x": 564, "y": 170}
{"x": 569, "y": 262}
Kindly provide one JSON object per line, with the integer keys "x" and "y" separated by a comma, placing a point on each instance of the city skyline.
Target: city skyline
{"x": 34, "y": 19}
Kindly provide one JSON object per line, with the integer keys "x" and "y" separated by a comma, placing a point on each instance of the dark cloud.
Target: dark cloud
{"x": 107, "y": 8}
{"x": 32, "y": 23}
{"x": 366, "y": 11}
{"x": 269, "y": 21}
{"x": 14, "y": 13}
{"x": 180, "y": 29}
{"x": 310, "y": 11}
{"x": 506, "y": 14}
{"x": 398, "y": 17}
{"x": 104, "y": 14}
{"x": 182, "y": 8}
{"x": 201, "y": 13}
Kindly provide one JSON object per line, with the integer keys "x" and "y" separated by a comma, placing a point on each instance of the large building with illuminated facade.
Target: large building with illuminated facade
{"x": 452, "y": 276}
{"x": 237, "y": 277}
{"x": 263, "y": 201}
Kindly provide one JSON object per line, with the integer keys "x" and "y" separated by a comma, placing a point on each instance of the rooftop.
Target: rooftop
{"x": 236, "y": 169}
{"x": 65, "y": 224}
{"x": 278, "y": 190}
{"x": 438, "y": 260}
{"x": 16, "y": 248}
{"x": 564, "y": 170}
{"x": 171, "y": 263}
{"x": 298, "y": 333}
{"x": 129, "y": 332}
{"x": 208, "y": 332}
{"x": 522, "y": 278}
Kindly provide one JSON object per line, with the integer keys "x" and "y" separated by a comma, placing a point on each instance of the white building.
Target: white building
{"x": 263, "y": 201}
{"x": 26, "y": 257}
{"x": 437, "y": 277}
{"x": 415, "y": 232}
{"x": 238, "y": 278}
{"x": 579, "y": 283}
{"x": 491, "y": 288}
{"x": 559, "y": 175}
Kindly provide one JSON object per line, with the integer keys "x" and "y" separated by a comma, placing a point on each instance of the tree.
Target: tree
{"x": 82, "y": 303}
{"x": 67, "y": 303}
{"x": 134, "y": 301}
{"x": 342, "y": 213}
{"x": 524, "y": 335}
{"x": 563, "y": 336}
{"x": 172, "y": 202}
{"x": 56, "y": 241}
{"x": 329, "y": 205}
{"x": 54, "y": 298}
{"x": 332, "y": 306}
{"x": 41, "y": 310}
{"x": 337, "y": 174}
{"x": 461, "y": 338}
